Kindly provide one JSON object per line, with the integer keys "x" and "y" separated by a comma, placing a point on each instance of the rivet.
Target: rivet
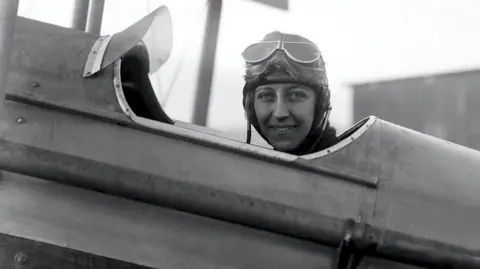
{"x": 94, "y": 52}
{"x": 35, "y": 84}
{"x": 89, "y": 73}
{"x": 21, "y": 259}
{"x": 21, "y": 120}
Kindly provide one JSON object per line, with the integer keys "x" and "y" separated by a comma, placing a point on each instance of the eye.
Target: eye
{"x": 296, "y": 95}
{"x": 266, "y": 96}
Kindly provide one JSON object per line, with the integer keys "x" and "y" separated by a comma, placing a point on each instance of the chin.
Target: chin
{"x": 284, "y": 147}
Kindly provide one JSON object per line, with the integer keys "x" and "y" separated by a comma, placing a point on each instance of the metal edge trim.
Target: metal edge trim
{"x": 117, "y": 84}
{"x": 95, "y": 57}
{"x": 345, "y": 142}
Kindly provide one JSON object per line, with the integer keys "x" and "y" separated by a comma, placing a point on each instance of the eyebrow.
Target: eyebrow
{"x": 292, "y": 86}
{"x": 288, "y": 88}
{"x": 297, "y": 86}
{"x": 264, "y": 88}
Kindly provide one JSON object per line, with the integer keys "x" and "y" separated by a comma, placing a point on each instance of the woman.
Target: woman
{"x": 286, "y": 95}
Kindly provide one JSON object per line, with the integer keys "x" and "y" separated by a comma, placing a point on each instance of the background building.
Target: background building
{"x": 442, "y": 105}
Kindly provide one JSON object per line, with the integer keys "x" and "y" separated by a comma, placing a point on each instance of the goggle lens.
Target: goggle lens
{"x": 297, "y": 51}
{"x": 259, "y": 51}
{"x": 302, "y": 52}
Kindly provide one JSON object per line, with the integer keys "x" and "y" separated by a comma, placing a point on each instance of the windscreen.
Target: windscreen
{"x": 153, "y": 31}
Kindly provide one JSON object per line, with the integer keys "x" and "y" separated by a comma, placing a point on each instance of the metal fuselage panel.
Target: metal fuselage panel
{"x": 429, "y": 187}
{"x": 139, "y": 233}
{"x": 47, "y": 63}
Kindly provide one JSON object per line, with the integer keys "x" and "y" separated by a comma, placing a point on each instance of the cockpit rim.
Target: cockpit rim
{"x": 213, "y": 139}
{"x": 346, "y": 138}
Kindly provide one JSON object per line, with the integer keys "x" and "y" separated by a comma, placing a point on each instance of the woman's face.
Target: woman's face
{"x": 285, "y": 113}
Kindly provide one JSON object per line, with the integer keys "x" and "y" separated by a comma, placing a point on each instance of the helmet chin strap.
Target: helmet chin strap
{"x": 323, "y": 126}
{"x": 249, "y": 132}
{"x": 325, "y": 119}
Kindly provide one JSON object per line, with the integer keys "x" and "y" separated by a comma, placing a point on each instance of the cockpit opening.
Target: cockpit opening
{"x": 353, "y": 129}
{"x": 137, "y": 89}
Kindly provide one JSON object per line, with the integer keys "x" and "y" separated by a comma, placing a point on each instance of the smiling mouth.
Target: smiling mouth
{"x": 283, "y": 129}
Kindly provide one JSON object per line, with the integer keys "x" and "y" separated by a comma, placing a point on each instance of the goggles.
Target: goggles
{"x": 300, "y": 52}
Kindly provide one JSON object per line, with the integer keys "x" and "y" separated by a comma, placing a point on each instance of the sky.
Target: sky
{"x": 361, "y": 41}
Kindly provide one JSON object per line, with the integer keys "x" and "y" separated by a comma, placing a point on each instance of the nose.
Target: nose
{"x": 281, "y": 110}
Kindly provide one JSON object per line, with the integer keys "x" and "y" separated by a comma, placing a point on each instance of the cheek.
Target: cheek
{"x": 306, "y": 113}
{"x": 261, "y": 111}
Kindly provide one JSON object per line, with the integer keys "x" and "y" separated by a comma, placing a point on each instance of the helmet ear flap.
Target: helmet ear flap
{"x": 323, "y": 98}
{"x": 325, "y": 90}
{"x": 248, "y": 106}
{"x": 249, "y": 113}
